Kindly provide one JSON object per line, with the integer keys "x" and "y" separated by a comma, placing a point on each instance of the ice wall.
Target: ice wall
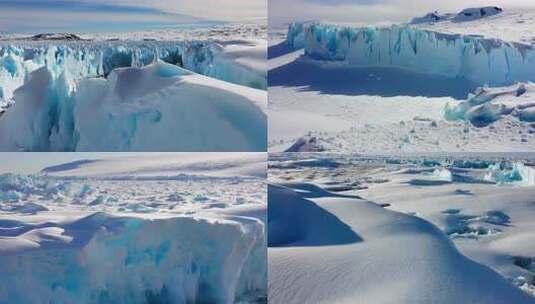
{"x": 107, "y": 259}
{"x": 296, "y": 35}
{"x": 486, "y": 61}
{"x": 81, "y": 60}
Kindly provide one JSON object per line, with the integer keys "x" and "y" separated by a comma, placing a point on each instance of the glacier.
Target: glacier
{"x": 136, "y": 228}
{"x": 83, "y": 59}
{"x": 133, "y": 109}
{"x": 164, "y": 260}
{"x": 483, "y": 60}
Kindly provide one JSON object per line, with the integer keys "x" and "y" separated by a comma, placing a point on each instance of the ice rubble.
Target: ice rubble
{"x": 133, "y": 109}
{"x": 86, "y": 59}
{"x": 511, "y": 173}
{"x": 482, "y": 60}
{"x": 488, "y": 105}
{"x": 165, "y": 260}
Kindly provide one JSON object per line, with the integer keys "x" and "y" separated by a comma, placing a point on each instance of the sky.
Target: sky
{"x": 281, "y": 12}
{"x": 118, "y": 15}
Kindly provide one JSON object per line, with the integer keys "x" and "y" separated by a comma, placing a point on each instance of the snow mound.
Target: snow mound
{"x": 488, "y": 105}
{"x": 135, "y": 109}
{"x": 511, "y": 173}
{"x": 167, "y": 260}
{"x": 343, "y": 248}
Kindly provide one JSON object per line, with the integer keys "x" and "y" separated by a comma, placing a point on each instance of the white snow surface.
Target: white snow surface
{"x": 345, "y": 228}
{"x": 177, "y": 229}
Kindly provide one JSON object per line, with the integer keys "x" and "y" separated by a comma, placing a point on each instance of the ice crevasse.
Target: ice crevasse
{"x": 483, "y": 60}
{"x": 166, "y": 260}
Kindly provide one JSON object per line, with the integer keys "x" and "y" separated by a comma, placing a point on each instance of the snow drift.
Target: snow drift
{"x": 156, "y": 107}
{"x": 349, "y": 250}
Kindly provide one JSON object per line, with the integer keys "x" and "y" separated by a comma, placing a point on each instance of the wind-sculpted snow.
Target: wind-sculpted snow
{"x": 156, "y": 107}
{"x": 482, "y": 60}
{"x": 342, "y": 248}
{"x": 108, "y": 259}
{"x": 389, "y": 199}
{"x": 488, "y": 105}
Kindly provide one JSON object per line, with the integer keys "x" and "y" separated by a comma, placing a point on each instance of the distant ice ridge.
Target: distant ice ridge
{"x": 85, "y": 59}
{"x": 156, "y": 107}
{"x": 511, "y": 173}
{"x": 467, "y": 14}
{"x": 109, "y": 259}
{"x": 483, "y": 60}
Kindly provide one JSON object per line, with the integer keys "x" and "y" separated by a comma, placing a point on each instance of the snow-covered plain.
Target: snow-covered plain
{"x": 430, "y": 228}
{"x": 60, "y": 89}
{"x": 156, "y": 228}
{"x": 392, "y": 88}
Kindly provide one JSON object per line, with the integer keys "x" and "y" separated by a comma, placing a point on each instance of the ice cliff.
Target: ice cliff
{"x": 83, "y": 59}
{"x": 483, "y": 60}
{"x": 109, "y": 259}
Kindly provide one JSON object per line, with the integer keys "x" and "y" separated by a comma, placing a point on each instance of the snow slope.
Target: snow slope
{"x": 330, "y": 249}
{"x": 474, "y": 209}
{"x": 175, "y": 228}
{"x": 134, "y": 109}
